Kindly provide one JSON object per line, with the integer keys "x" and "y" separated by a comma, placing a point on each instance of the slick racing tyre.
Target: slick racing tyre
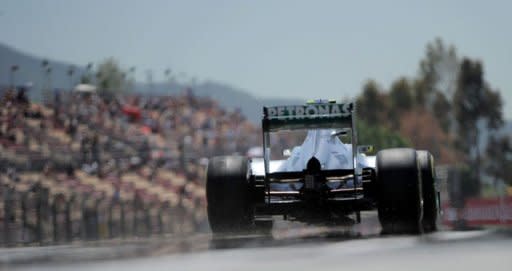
{"x": 227, "y": 194}
{"x": 399, "y": 196}
{"x": 429, "y": 191}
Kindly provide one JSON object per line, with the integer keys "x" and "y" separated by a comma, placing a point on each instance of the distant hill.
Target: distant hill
{"x": 227, "y": 96}
{"x": 31, "y": 71}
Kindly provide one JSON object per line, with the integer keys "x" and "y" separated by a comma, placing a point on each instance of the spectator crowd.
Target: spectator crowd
{"x": 86, "y": 157}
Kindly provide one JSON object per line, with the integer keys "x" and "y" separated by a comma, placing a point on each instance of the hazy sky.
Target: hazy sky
{"x": 304, "y": 49}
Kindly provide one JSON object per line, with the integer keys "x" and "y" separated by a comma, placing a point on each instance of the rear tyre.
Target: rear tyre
{"x": 227, "y": 194}
{"x": 429, "y": 191}
{"x": 400, "y": 205}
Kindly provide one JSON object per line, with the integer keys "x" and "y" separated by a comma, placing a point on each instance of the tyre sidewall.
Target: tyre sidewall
{"x": 399, "y": 187}
{"x": 228, "y": 201}
{"x": 430, "y": 201}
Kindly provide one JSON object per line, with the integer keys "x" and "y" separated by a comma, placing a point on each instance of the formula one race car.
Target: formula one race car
{"x": 323, "y": 179}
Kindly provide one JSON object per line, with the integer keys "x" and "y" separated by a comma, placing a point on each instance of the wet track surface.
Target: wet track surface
{"x": 291, "y": 246}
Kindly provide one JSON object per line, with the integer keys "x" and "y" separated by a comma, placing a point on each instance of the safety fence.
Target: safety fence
{"x": 36, "y": 217}
{"x": 479, "y": 212}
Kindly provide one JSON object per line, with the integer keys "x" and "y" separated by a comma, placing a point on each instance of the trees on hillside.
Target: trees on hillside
{"x": 420, "y": 108}
{"x": 401, "y": 95}
{"x": 372, "y": 104}
{"x": 442, "y": 109}
{"x": 438, "y": 72}
{"x": 401, "y": 99}
{"x": 499, "y": 164}
{"x": 437, "y": 81}
{"x": 373, "y": 109}
{"x": 110, "y": 77}
{"x": 421, "y": 128}
{"x": 476, "y": 106}
{"x": 379, "y": 136}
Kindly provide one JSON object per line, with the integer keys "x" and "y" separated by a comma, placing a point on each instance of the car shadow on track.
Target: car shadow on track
{"x": 290, "y": 234}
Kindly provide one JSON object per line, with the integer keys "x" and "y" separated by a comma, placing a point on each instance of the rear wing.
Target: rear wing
{"x": 309, "y": 116}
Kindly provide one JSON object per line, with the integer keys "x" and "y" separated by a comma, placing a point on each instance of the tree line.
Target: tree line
{"x": 448, "y": 108}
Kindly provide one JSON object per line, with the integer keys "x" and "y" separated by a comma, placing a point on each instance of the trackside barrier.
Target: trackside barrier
{"x": 480, "y": 212}
{"x": 33, "y": 217}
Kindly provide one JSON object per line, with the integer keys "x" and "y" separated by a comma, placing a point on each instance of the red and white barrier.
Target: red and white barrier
{"x": 480, "y": 212}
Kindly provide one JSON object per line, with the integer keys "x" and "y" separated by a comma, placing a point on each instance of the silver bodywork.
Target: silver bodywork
{"x": 331, "y": 152}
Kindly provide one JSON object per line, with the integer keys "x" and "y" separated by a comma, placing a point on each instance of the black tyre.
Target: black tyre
{"x": 429, "y": 191}
{"x": 399, "y": 196}
{"x": 227, "y": 194}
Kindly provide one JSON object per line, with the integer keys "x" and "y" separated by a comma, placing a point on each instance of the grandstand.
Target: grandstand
{"x": 84, "y": 166}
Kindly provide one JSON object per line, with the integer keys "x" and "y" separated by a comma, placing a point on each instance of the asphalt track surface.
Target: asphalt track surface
{"x": 291, "y": 246}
